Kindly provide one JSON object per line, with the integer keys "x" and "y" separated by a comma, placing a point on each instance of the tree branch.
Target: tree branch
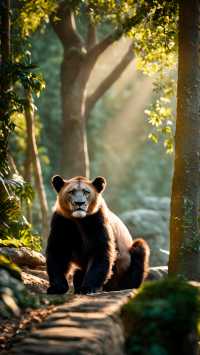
{"x": 65, "y": 26}
{"x": 109, "y": 80}
{"x": 91, "y": 35}
{"x": 125, "y": 27}
{"x": 100, "y": 47}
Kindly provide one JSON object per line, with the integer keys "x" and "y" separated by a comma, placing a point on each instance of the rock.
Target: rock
{"x": 35, "y": 280}
{"x": 152, "y": 225}
{"x": 157, "y": 273}
{"x": 9, "y": 289}
{"x": 13, "y": 295}
{"x": 24, "y": 256}
{"x": 161, "y": 204}
{"x": 8, "y": 300}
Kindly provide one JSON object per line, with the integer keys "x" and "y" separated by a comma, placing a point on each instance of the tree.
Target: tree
{"x": 185, "y": 203}
{"x": 80, "y": 56}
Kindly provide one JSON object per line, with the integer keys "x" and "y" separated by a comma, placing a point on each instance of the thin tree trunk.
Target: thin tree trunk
{"x": 5, "y": 79}
{"x": 28, "y": 171}
{"x": 5, "y": 36}
{"x": 184, "y": 225}
{"x": 29, "y": 114}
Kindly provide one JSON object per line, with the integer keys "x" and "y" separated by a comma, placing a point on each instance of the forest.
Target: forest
{"x": 98, "y": 88}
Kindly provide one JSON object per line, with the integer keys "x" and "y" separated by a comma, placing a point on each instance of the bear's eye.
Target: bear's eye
{"x": 86, "y": 192}
{"x": 71, "y": 192}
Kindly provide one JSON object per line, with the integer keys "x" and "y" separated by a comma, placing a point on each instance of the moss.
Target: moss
{"x": 162, "y": 319}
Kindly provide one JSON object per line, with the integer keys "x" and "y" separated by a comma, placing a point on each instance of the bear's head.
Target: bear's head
{"x": 79, "y": 196}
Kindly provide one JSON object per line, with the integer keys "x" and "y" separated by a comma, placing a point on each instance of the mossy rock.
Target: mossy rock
{"x": 14, "y": 296}
{"x": 163, "y": 319}
{"x": 10, "y": 267}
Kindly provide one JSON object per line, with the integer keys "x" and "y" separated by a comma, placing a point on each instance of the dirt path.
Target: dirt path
{"x": 83, "y": 325}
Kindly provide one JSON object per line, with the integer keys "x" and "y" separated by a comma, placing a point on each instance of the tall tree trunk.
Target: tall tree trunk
{"x": 29, "y": 114}
{"x": 184, "y": 226}
{"x": 78, "y": 62}
{"x": 74, "y": 157}
{"x": 74, "y": 152}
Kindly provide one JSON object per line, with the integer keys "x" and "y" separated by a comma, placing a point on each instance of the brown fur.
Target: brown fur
{"x": 62, "y": 204}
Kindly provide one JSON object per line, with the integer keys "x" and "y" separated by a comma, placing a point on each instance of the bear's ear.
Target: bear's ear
{"x": 99, "y": 183}
{"x": 57, "y": 182}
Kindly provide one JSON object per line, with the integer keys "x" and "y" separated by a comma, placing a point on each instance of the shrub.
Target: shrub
{"x": 162, "y": 319}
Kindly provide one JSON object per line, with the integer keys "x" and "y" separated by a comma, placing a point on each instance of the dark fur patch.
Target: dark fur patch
{"x": 99, "y": 183}
{"x": 91, "y": 245}
{"x": 57, "y": 182}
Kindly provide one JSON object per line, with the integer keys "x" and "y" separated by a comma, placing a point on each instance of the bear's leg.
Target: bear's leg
{"x": 78, "y": 279}
{"x": 57, "y": 269}
{"x": 95, "y": 276}
{"x": 138, "y": 268}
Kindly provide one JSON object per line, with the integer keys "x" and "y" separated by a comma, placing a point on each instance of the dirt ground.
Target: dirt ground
{"x": 16, "y": 327}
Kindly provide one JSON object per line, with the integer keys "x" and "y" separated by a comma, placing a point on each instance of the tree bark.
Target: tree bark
{"x": 29, "y": 114}
{"x": 184, "y": 224}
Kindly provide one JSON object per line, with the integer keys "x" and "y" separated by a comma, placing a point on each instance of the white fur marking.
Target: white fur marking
{"x": 79, "y": 214}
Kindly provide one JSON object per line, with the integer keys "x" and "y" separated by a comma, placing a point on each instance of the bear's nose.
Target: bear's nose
{"x": 79, "y": 203}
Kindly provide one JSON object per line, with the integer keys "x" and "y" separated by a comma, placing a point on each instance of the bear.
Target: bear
{"x": 86, "y": 236}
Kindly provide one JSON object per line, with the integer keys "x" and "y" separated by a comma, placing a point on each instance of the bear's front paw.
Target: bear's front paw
{"x": 85, "y": 290}
{"x": 57, "y": 290}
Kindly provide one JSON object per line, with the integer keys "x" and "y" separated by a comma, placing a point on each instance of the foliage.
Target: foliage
{"x": 160, "y": 114}
{"x": 155, "y": 41}
{"x": 14, "y": 228}
{"x": 18, "y": 75}
{"x": 32, "y": 14}
{"x": 163, "y": 318}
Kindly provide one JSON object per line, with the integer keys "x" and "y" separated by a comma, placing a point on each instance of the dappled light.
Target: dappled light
{"x": 104, "y": 66}
{"x": 128, "y": 123}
